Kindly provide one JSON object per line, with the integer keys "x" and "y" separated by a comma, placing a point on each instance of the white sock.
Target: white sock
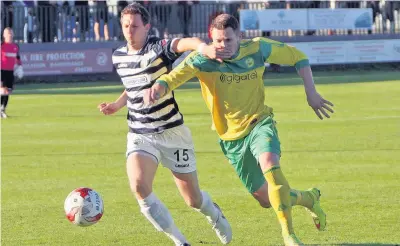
{"x": 207, "y": 207}
{"x": 156, "y": 212}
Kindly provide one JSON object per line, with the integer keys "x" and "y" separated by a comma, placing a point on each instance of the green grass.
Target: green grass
{"x": 56, "y": 140}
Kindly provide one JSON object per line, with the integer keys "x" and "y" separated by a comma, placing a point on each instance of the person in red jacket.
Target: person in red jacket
{"x": 10, "y": 66}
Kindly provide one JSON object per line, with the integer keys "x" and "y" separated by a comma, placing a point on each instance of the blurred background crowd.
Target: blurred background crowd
{"x": 91, "y": 21}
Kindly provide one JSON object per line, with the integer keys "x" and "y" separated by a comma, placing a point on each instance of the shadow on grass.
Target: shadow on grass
{"x": 209, "y": 243}
{"x": 270, "y": 79}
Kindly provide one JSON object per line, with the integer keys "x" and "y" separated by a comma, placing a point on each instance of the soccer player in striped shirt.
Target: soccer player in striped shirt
{"x": 234, "y": 93}
{"x": 157, "y": 133}
{"x": 10, "y": 65}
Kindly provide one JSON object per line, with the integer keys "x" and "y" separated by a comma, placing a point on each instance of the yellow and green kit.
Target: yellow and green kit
{"x": 234, "y": 93}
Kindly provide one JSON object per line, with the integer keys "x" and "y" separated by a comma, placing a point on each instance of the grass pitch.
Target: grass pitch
{"x": 56, "y": 140}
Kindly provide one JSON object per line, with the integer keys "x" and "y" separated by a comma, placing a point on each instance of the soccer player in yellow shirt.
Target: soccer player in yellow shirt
{"x": 234, "y": 93}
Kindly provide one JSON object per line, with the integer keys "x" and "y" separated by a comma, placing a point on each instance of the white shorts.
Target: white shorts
{"x": 173, "y": 148}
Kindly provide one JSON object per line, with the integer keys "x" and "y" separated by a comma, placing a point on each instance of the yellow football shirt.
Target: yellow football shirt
{"x": 234, "y": 90}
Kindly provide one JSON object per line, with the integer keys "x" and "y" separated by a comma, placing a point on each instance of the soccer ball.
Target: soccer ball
{"x": 83, "y": 206}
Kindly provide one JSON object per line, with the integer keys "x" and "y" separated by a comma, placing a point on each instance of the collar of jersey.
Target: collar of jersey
{"x": 234, "y": 55}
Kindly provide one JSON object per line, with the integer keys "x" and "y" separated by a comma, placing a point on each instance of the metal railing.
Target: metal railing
{"x": 65, "y": 23}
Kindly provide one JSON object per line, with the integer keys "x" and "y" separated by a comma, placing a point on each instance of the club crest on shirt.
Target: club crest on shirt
{"x": 249, "y": 62}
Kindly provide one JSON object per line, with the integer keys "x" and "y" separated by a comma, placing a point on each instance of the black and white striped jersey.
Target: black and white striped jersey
{"x": 138, "y": 72}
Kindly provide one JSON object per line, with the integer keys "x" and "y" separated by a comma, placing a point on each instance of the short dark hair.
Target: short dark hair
{"x": 224, "y": 21}
{"x": 137, "y": 9}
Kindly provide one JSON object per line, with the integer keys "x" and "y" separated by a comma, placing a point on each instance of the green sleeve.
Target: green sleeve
{"x": 280, "y": 53}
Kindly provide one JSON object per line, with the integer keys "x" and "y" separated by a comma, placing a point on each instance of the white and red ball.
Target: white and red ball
{"x": 83, "y": 207}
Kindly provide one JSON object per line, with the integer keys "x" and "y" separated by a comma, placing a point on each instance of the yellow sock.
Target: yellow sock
{"x": 302, "y": 198}
{"x": 279, "y": 197}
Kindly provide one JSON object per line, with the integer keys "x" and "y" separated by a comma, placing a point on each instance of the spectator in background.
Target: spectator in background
{"x": 185, "y": 14}
{"x": 120, "y": 6}
{"x": 388, "y": 13}
{"x": 7, "y": 12}
{"x": 161, "y": 11}
{"x": 46, "y": 13}
{"x": 65, "y": 20}
{"x": 100, "y": 13}
{"x": 82, "y": 19}
{"x": 29, "y": 27}
{"x": 374, "y": 5}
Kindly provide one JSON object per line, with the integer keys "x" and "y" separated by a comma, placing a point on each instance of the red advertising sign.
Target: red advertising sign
{"x": 67, "y": 62}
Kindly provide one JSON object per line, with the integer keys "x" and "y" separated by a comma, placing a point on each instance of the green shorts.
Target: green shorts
{"x": 243, "y": 153}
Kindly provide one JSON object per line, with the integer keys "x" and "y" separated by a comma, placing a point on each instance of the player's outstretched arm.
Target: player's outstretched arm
{"x": 111, "y": 108}
{"x": 168, "y": 82}
{"x": 188, "y": 44}
{"x": 315, "y": 100}
{"x": 280, "y": 53}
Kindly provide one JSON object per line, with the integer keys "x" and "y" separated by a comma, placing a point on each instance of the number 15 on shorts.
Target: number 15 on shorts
{"x": 182, "y": 155}
{"x": 182, "y": 160}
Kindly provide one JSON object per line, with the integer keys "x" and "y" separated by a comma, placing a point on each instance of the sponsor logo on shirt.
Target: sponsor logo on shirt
{"x": 237, "y": 78}
{"x": 9, "y": 54}
{"x": 136, "y": 81}
{"x": 123, "y": 65}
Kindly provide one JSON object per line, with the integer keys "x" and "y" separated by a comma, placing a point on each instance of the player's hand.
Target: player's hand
{"x": 108, "y": 108}
{"x": 212, "y": 52}
{"x": 319, "y": 105}
{"x": 153, "y": 94}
